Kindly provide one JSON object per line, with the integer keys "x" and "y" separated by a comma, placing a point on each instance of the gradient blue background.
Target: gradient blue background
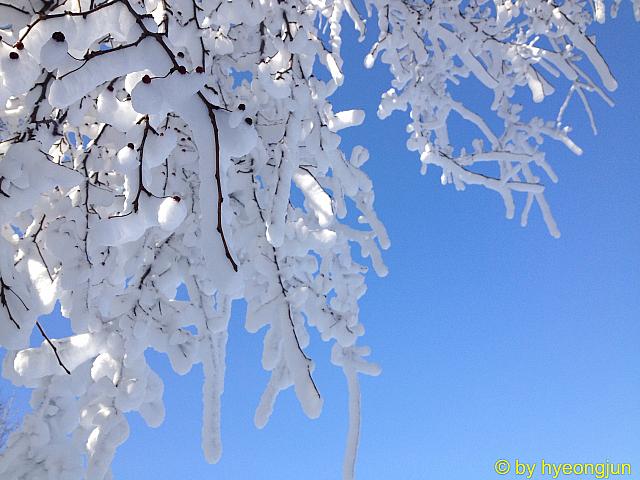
{"x": 495, "y": 341}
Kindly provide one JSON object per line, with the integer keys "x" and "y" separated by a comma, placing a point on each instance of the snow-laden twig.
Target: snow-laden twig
{"x": 132, "y": 162}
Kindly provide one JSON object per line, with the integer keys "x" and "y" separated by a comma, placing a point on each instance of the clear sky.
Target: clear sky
{"x": 496, "y": 341}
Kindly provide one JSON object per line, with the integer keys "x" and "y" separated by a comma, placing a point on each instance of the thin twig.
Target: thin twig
{"x": 55, "y": 350}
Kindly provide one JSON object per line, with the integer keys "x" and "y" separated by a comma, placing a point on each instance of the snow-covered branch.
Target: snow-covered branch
{"x": 148, "y": 144}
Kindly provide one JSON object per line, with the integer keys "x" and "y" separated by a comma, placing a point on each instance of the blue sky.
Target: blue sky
{"x": 496, "y": 341}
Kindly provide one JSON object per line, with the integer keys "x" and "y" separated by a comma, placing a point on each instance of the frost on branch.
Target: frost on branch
{"x": 133, "y": 160}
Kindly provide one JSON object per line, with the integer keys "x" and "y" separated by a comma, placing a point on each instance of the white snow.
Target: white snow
{"x": 171, "y": 213}
{"x": 153, "y": 147}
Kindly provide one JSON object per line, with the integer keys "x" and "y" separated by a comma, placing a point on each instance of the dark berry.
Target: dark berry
{"x": 199, "y": 69}
{"x": 58, "y": 36}
{"x": 176, "y": 198}
{"x": 248, "y": 121}
{"x": 130, "y": 145}
{"x": 180, "y": 55}
{"x": 182, "y": 69}
{"x": 110, "y": 88}
{"x": 146, "y": 79}
{"x": 14, "y": 56}
{"x": 241, "y": 107}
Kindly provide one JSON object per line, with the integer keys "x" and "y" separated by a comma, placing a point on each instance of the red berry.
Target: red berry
{"x": 199, "y": 69}
{"x": 182, "y": 69}
{"x": 146, "y": 79}
{"x": 19, "y": 45}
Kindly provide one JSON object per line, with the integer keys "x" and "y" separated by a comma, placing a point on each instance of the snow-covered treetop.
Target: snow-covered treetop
{"x": 146, "y": 144}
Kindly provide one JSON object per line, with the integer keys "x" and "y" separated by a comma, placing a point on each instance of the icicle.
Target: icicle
{"x": 213, "y": 361}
